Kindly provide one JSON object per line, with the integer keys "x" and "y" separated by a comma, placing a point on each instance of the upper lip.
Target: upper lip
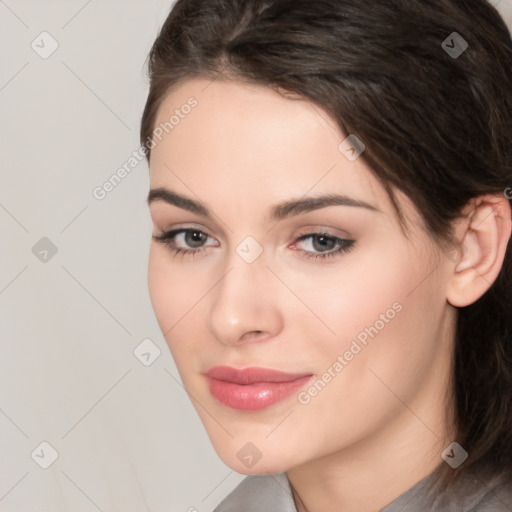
{"x": 252, "y": 375}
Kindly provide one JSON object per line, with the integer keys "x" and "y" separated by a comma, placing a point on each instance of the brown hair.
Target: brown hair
{"x": 436, "y": 126}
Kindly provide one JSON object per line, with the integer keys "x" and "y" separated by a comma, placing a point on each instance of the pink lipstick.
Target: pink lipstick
{"x": 253, "y": 388}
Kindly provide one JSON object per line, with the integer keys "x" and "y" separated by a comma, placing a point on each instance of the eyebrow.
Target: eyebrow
{"x": 278, "y": 212}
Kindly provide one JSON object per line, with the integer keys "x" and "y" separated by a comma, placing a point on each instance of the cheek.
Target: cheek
{"x": 373, "y": 310}
{"x": 396, "y": 321}
{"x": 352, "y": 295}
{"x": 172, "y": 291}
{"x": 160, "y": 291}
{"x": 177, "y": 292}
{"x": 385, "y": 361}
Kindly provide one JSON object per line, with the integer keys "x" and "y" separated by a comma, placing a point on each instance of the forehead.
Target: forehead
{"x": 251, "y": 143}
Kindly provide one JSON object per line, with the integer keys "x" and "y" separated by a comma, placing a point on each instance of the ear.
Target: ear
{"x": 483, "y": 233}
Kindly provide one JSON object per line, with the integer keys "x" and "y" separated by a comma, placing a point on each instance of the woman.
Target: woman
{"x": 330, "y": 264}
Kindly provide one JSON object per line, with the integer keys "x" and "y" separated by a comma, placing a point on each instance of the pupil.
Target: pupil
{"x": 195, "y": 238}
{"x": 323, "y": 243}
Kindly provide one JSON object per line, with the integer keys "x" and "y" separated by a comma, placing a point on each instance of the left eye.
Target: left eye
{"x": 323, "y": 245}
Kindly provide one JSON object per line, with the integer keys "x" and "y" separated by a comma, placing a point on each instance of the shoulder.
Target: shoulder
{"x": 483, "y": 490}
{"x": 477, "y": 491}
{"x": 495, "y": 495}
{"x": 260, "y": 493}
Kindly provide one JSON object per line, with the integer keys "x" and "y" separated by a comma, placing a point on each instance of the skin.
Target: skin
{"x": 380, "y": 424}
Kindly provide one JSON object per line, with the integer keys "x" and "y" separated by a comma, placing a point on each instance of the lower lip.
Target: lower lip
{"x": 253, "y": 397}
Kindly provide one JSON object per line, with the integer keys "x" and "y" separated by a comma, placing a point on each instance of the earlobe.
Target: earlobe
{"x": 484, "y": 234}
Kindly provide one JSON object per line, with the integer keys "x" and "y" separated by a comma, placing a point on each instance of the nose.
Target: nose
{"x": 244, "y": 305}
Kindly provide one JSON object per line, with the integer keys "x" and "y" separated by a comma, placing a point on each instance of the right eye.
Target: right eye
{"x": 184, "y": 240}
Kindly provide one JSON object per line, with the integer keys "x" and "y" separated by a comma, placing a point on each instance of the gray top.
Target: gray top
{"x": 272, "y": 493}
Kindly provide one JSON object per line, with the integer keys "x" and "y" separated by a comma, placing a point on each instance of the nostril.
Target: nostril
{"x": 252, "y": 334}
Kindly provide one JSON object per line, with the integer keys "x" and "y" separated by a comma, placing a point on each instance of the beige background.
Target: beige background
{"x": 126, "y": 435}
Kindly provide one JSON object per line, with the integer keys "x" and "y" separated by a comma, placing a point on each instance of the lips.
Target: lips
{"x": 251, "y": 375}
{"x": 253, "y": 388}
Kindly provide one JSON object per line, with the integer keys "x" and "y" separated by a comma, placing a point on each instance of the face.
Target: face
{"x": 255, "y": 269}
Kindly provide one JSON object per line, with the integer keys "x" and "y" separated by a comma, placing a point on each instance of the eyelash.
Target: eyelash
{"x": 344, "y": 245}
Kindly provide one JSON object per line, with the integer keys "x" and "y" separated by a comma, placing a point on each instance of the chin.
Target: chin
{"x": 260, "y": 468}
{"x": 248, "y": 459}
